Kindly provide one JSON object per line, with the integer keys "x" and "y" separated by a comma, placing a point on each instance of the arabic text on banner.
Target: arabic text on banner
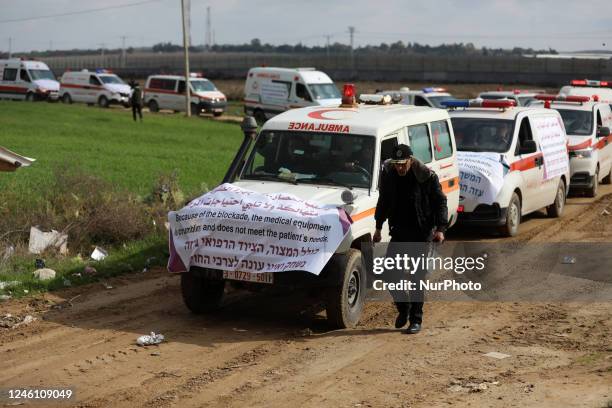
{"x": 553, "y": 142}
{"x": 481, "y": 175}
{"x": 234, "y": 229}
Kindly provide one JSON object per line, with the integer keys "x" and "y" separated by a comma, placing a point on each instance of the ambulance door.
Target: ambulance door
{"x": 93, "y": 87}
{"x": 24, "y": 80}
{"x": 386, "y": 148}
{"x": 531, "y": 166}
{"x": 445, "y": 163}
{"x": 302, "y": 96}
{"x": 9, "y": 80}
{"x": 604, "y": 143}
{"x": 178, "y": 101}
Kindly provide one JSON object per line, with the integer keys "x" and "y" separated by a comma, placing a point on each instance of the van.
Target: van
{"x": 27, "y": 80}
{"x": 522, "y": 97}
{"x": 168, "y": 92}
{"x": 334, "y": 157}
{"x": 100, "y": 87}
{"x": 589, "y": 87}
{"x": 430, "y": 96}
{"x": 512, "y": 161}
{"x": 270, "y": 91}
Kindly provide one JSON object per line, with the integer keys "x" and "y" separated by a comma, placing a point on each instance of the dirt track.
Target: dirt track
{"x": 273, "y": 350}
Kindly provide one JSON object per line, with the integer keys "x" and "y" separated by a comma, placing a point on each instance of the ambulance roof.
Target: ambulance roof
{"x": 28, "y": 64}
{"x": 180, "y": 77}
{"x": 492, "y": 113}
{"x": 309, "y": 75}
{"x": 584, "y": 106}
{"x": 372, "y": 120}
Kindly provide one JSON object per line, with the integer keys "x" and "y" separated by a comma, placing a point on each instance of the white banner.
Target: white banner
{"x": 481, "y": 175}
{"x": 233, "y": 229}
{"x": 553, "y": 142}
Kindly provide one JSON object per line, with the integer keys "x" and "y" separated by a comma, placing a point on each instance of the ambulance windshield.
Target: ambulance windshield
{"x": 312, "y": 157}
{"x": 202, "y": 85}
{"x": 111, "y": 79}
{"x": 577, "y": 122}
{"x": 41, "y": 74}
{"x": 324, "y": 91}
{"x": 483, "y": 134}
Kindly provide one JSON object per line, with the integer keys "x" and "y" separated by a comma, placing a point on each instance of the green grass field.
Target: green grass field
{"x": 108, "y": 144}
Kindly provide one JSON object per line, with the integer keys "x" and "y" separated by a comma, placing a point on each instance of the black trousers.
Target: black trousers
{"x": 411, "y": 302}
{"x": 136, "y": 109}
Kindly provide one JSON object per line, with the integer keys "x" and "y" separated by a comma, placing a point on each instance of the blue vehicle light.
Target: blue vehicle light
{"x": 456, "y": 103}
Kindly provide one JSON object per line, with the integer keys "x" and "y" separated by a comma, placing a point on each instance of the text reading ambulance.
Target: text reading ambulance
{"x": 168, "y": 92}
{"x": 270, "y": 91}
{"x": 522, "y": 97}
{"x": 431, "y": 96}
{"x": 587, "y": 123}
{"x": 27, "y": 80}
{"x": 589, "y": 87}
{"x": 100, "y": 87}
{"x": 512, "y": 161}
{"x": 333, "y": 156}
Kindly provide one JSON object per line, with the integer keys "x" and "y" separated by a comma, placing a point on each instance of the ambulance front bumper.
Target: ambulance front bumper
{"x": 212, "y": 106}
{"x": 484, "y": 215}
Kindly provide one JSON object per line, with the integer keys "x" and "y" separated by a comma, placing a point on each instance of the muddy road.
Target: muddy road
{"x": 274, "y": 349}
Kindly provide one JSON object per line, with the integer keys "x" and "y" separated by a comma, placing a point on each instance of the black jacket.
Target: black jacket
{"x": 430, "y": 201}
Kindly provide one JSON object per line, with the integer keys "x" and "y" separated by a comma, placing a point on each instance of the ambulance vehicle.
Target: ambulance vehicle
{"x": 168, "y": 92}
{"x": 588, "y": 125}
{"x": 270, "y": 91}
{"x": 334, "y": 156}
{"x": 589, "y": 87}
{"x": 27, "y": 80}
{"x": 100, "y": 87}
{"x": 512, "y": 161}
{"x": 431, "y": 96}
{"x": 522, "y": 97}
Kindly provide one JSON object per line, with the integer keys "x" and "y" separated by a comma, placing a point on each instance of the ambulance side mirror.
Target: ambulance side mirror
{"x": 603, "y": 131}
{"x": 528, "y": 146}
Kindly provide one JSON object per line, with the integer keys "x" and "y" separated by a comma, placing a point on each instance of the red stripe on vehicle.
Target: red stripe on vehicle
{"x": 17, "y": 89}
{"x": 525, "y": 164}
{"x": 603, "y": 142}
{"x": 163, "y": 91}
{"x": 580, "y": 146}
{"x": 82, "y": 86}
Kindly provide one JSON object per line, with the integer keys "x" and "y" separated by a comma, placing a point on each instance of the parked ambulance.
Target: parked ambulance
{"x": 100, "y": 87}
{"x": 588, "y": 125}
{"x": 168, "y": 92}
{"x": 27, "y": 80}
{"x": 333, "y": 156}
{"x": 589, "y": 87}
{"x": 430, "y": 96}
{"x": 270, "y": 91}
{"x": 522, "y": 97}
{"x": 512, "y": 161}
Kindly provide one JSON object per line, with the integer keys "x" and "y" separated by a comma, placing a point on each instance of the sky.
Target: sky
{"x": 561, "y": 24}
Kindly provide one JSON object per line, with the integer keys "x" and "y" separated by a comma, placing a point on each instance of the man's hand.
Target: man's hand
{"x": 377, "y": 237}
{"x": 438, "y": 236}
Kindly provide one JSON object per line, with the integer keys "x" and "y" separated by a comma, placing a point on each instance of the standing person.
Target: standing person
{"x": 411, "y": 199}
{"x": 136, "y": 100}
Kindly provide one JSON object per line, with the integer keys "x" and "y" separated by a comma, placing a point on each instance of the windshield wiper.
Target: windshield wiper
{"x": 326, "y": 181}
{"x": 270, "y": 177}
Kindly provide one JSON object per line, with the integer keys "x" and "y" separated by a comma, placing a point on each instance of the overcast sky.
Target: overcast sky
{"x": 565, "y": 25}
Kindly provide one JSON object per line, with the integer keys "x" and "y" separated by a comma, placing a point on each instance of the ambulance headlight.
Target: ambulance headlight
{"x": 43, "y": 90}
{"x": 582, "y": 154}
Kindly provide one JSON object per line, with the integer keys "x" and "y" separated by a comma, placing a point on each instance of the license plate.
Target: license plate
{"x": 261, "y": 277}
{"x": 217, "y": 110}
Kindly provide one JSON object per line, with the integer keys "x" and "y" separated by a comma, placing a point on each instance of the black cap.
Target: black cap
{"x": 401, "y": 154}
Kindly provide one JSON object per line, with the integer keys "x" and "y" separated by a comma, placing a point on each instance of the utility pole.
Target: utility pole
{"x": 351, "y": 30}
{"x": 208, "y": 30}
{"x": 123, "y": 55}
{"x": 102, "y": 47}
{"x": 10, "y": 47}
{"x": 327, "y": 45}
{"x": 186, "y": 54}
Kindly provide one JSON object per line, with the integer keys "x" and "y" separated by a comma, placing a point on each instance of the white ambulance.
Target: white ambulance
{"x": 100, "y": 87}
{"x": 27, "y": 80}
{"x": 430, "y": 96}
{"x": 168, "y": 92}
{"x": 588, "y": 125}
{"x": 334, "y": 156}
{"x": 512, "y": 161}
{"x": 589, "y": 87}
{"x": 522, "y": 97}
{"x": 270, "y": 91}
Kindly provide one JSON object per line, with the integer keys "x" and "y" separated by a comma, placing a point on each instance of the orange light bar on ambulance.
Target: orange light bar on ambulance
{"x": 563, "y": 98}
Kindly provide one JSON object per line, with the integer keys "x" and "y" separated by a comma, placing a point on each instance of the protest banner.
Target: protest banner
{"x": 234, "y": 229}
{"x": 553, "y": 142}
{"x": 481, "y": 175}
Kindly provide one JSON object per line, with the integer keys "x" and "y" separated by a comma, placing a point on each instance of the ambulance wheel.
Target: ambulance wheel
{"x": 345, "y": 302}
{"x": 30, "y": 97}
{"x": 201, "y": 295}
{"x": 66, "y": 98}
{"x": 513, "y": 217}
{"x": 217, "y": 114}
{"x": 555, "y": 210}
{"x": 260, "y": 116}
{"x": 608, "y": 178}
{"x": 592, "y": 191}
{"x": 103, "y": 102}
{"x": 153, "y": 106}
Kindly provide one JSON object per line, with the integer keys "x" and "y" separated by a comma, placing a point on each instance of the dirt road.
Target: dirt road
{"x": 273, "y": 350}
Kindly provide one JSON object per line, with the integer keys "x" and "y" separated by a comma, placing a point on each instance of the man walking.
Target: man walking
{"x": 412, "y": 200}
{"x": 136, "y": 100}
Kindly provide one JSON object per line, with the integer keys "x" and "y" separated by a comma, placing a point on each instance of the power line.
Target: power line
{"x": 72, "y": 13}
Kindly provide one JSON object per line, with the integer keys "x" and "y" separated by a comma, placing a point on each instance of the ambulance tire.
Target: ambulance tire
{"x": 200, "y": 294}
{"x": 608, "y": 178}
{"x": 345, "y": 302}
{"x": 592, "y": 191}
{"x": 153, "y": 106}
{"x": 66, "y": 98}
{"x": 217, "y": 114}
{"x": 555, "y": 210}
{"x": 260, "y": 116}
{"x": 103, "y": 102}
{"x": 513, "y": 217}
{"x": 30, "y": 97}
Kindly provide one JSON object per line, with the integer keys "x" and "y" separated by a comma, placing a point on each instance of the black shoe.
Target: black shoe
{"x": 414, "y": 328}
{"x": 401, "y": 320}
